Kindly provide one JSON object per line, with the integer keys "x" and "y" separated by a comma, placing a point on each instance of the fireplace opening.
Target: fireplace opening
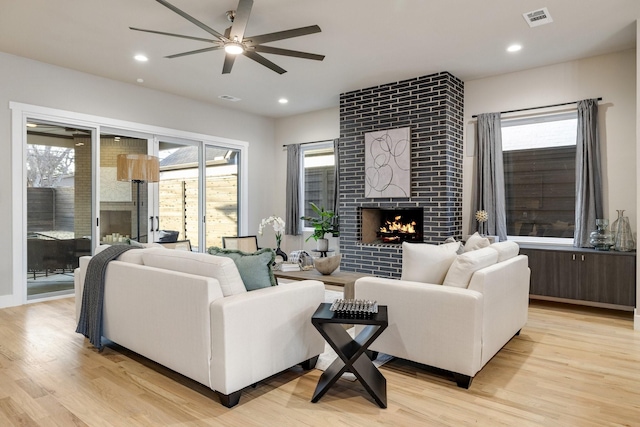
{"x": 392, "y": 225}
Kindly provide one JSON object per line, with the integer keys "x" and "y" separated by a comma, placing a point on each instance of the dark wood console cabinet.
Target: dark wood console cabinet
{"x": 583, "y": 276}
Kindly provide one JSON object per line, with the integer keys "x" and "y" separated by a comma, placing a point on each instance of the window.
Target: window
{"x": 318, "y": 180}
{"x": 539, "y": 166}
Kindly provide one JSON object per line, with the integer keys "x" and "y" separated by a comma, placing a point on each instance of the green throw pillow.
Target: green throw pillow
{"x": 254, "y": 268}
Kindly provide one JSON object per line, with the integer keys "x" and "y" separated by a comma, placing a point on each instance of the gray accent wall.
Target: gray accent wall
{"x": 432, "y": 106}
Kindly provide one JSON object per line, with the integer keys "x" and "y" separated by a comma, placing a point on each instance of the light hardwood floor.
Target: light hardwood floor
{"x": 570, "y": 366}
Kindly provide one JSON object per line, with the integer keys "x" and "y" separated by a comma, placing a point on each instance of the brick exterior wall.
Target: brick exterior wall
{"x": 432, "y": 106}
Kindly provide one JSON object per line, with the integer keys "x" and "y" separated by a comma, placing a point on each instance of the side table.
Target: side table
{"x": 351, "y": 351}
{"x": 323, "y": 254}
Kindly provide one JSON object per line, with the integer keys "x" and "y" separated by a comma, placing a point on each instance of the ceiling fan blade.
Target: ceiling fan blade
{"x": 229, "y": 59}
{"x": 242, "y": 18}
{"x": 264, "y": 61}
{"x": 174, "y": 35}
{"x": 287, "y": 52}
{"x": 191, "y": 19}
{"x": 281, "y": 35}
{"x": 193, "y": 52}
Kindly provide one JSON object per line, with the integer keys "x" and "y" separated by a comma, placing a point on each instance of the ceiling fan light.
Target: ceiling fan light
{"x": 234, "y": 48}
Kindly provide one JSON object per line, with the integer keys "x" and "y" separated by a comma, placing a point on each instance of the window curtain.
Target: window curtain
{"x": 489, "y": 192}
{"x": 588, "y": 173}
{"x": 336, "y": 184}
{"x": 292, "y": 217}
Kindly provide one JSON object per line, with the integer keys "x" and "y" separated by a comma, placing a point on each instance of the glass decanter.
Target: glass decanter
{"x": 623, "y": 237}
{"x": 600, "y": 238}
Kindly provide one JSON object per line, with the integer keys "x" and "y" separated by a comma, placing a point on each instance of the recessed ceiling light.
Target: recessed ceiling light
{"x": 32, "y": 125}
{"x": 140, "y": 80}
{"x": 229, "y": 98}
{"x": 514, "y": 48}
{"x": 283, "y": 100}
{"x": 141, "y": 58}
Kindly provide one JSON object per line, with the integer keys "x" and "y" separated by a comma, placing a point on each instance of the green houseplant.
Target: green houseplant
{"x": 322, "y": 224}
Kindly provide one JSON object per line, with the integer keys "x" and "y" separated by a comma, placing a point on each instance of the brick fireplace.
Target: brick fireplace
{"x": 432, "y": 106}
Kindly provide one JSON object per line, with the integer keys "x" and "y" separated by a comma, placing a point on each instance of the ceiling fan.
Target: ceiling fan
{"x": 234, "y": 42}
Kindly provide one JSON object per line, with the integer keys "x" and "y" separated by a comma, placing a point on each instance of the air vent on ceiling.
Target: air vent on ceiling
{"x": 229, "y": 98}
{"x": 538, "y": 17}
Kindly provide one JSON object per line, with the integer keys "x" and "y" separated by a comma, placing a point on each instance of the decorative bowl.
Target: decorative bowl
{"x": 327, "y": 265}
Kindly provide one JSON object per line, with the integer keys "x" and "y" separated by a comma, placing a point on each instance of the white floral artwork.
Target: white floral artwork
{"x": 112, "y": 190}
{"x": 387, "y": 163}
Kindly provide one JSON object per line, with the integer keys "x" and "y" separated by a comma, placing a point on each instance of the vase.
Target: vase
{"x": 283, "y": 254}
{"x": 600, "y": 238}
{"x": 322, "y": 245}
{"x": 622, "y": 235}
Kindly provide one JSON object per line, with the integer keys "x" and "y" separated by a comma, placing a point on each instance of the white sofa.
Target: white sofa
{"x": 172, "y": 314}
{"x": 450, "y": 311}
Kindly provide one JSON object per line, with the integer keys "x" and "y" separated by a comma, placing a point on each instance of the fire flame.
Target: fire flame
{"x": 398, "y": 227}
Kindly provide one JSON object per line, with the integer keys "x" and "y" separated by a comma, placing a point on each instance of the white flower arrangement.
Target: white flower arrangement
{"x": 278, "y": 226}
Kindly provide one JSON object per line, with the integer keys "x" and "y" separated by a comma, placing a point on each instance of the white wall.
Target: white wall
{"x": 612, "y": 77}
{"x": 318, "y": 125}
{"x": 31, "y": 82}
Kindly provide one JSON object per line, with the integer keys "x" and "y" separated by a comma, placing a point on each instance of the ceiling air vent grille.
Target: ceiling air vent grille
{"x": 538, "y": 17}
{"x": 229, "y": 98}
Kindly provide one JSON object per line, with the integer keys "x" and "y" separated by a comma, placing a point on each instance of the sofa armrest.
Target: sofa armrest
{"x": 505, "y": 287}
{"x": 259, "y": 333}
{"x": 431, "y": 324}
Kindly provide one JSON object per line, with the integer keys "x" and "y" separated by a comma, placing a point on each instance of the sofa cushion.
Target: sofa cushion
{"x": 461, "y": 270}
{"x": 254, "y": 268}
{"x": 427, "y": 263}
{"x": 476, "y": 241}
{"x": 506, "y": 250}
{"x": 222, "y": 269}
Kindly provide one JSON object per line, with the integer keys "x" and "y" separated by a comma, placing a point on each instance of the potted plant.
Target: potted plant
{"x": 322, "y": 224}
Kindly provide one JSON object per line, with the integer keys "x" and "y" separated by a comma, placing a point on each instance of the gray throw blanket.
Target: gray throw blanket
{"x": 90, "y": 322}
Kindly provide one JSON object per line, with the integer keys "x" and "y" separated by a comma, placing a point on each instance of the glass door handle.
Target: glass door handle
{"x": 151, "y": 221}
{"x": 157, "y": 223}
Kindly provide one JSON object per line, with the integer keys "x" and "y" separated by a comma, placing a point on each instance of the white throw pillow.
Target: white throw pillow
{"x": 220, "y": 268}
{"x": 476, "y": 241}
{"x": 427, "y": 263}
{"x": 506, "y": 250}
{"x": 459, "y": 275}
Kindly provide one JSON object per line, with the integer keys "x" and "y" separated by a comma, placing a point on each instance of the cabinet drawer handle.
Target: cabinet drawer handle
{"x": 582, "y": 257}
{"x": 574, "y": 257}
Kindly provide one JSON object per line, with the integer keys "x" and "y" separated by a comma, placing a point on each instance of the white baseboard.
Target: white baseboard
{"x": 7, "y": 301}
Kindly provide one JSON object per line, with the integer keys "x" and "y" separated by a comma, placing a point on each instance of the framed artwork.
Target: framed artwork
{"x": 387, "y": 163}
{"x": 112, "y": 190}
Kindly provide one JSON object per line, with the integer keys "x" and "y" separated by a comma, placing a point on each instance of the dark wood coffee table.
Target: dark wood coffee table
{"x": 351, "y": 352}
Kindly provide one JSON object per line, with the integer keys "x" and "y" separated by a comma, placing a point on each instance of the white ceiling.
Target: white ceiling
{"x": 366, "y": 43}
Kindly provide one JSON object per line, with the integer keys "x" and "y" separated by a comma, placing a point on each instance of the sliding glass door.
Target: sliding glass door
{"x": 59, "y": 205}
{"x": 221, "y": 193}
{"x": 178, "y": 207}
{"x": 197, "y": 193}
{"x": 124, "y": 205}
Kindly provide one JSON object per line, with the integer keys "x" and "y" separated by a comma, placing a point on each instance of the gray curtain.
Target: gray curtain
{"x": 336, "y": 184}
{"x": 292, "y": 217}
{"x": 489, "y": 193}
{"x": 588, "y": 173}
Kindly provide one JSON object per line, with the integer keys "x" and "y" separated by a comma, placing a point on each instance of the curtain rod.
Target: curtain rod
{"x": 310, "y": 142}
{"x": 536, "y": 108}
